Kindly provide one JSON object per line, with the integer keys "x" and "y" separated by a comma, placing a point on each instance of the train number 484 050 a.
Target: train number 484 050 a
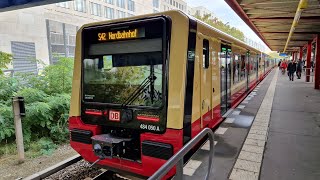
{"x": 149, "y": 127}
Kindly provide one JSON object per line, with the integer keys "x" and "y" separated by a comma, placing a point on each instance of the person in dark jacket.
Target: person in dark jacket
{"x": 279, "y": 63}
{"x": 291, "y": 69}
{"x": 299, "y": 68}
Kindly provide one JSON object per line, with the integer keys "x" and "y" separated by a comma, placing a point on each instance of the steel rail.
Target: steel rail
{"x": 177, "y": 159}
{"x": 55, "y": 168}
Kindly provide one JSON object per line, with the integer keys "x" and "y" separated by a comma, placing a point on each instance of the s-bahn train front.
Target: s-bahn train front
{"x": 119, "y": 107}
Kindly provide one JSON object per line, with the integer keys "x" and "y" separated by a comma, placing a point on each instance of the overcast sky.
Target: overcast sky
{"x": 222, "y": 10}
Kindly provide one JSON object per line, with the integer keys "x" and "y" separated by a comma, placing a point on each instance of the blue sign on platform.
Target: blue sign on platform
{"x": 283, "y": 54}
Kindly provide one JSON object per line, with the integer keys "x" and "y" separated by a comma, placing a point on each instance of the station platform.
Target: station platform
{"x": 273, "y": 134}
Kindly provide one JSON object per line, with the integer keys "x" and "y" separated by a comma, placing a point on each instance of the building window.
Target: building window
{"x": 156, "y": 3}
{"x": 121, "y": 14}
{"x": 109, "y": 13}
{"x": 63, "y": 4}
{"x": 80, "y": 5}
{"x": 95, "y": 9}
{"x": 109, "y": 1}
{"x": 61, "y": 40}
{"x": 131, "y": 5}
{"x": 24, "y": 57}
{"x": 129, "y": 15}
{"x": 170, "y": 2}
{"x": 205, "y": 54}
{"x": 120, "y": 3}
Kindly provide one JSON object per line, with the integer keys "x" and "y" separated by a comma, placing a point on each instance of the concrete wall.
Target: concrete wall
{"x": 27, "y": 25}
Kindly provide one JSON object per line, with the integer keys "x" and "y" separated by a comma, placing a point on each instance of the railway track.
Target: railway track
{"x": 75, "y": 168}
{"x": 55, "y": 168}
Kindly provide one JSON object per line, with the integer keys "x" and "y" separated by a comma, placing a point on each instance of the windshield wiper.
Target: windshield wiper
{"x": 145, "y": 83}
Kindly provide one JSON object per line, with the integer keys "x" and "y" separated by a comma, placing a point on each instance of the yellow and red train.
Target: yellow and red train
{"x": 144, "y": 86}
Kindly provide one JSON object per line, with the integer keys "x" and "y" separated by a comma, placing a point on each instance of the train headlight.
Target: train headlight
{"x": 97, "y": 149}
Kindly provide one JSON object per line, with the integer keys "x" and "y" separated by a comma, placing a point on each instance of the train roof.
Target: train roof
{"x": 229, "y": 38}
{"x": 222, "y": 33}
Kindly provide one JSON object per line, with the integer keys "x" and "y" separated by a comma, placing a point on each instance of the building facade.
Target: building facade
{"x": 45, "y": 33}
{"x": 201, "y": 11}
{"x": 167, "y": 5}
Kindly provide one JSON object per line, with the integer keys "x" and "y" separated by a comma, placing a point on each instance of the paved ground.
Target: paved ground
{"x": 229, "y": 138}
{"x": 10, "y": 169}
{"x": 293, "y": 146}
{"x": 274, "y": 134}
{"x": 247, "y": 166}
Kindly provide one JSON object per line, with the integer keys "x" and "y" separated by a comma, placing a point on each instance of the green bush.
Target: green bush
{"x": 6, "y": 123}
{"x": 8, "y": 87}
{"x": 47, "y": 101}
{"x": 32, "y": 95}
{"x": 5, "y": 59}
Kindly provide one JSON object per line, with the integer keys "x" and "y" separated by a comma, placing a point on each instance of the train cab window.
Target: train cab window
{"x": 205, "y": 54}
{"x": 126, "y": 70}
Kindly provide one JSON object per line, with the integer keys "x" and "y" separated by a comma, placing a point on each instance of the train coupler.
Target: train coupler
{"x": 108, "y": 145}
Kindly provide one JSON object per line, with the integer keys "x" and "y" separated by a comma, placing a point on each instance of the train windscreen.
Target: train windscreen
{"x": 124, "y": 64}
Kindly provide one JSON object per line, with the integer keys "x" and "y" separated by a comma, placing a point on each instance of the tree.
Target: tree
{"x": 5, "y": 59}
{"x": 215, "y": 22}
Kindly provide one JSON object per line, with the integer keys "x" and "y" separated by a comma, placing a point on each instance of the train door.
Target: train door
{"x": 225, "y": 78}
{"x": 264, "y": 64}
{"x": 257, "y": 66}
{"x": 205, "y": 79}
{"x": 247, "y": 69}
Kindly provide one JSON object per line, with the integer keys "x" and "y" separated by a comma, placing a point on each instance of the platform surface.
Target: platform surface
{"x": 290, "y": 148}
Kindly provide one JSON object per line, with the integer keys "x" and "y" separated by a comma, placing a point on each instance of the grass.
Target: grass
{"x": 7, "y": 149}
{"x": 39, "y": 147}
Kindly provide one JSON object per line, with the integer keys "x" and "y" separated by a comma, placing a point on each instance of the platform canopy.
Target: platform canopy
{"x": 272, "y": 21}
{"x": 8, "y": 5}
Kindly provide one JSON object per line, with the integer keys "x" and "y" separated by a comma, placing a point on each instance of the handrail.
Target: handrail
{"x": 177, "y": 159}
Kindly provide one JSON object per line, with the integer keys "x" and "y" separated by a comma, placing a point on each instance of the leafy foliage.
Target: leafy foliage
{"x": 59, "y": 76}
{"x": 6, "y": 123}
{"x": 8, "y": 87}
{"x": 215, "y": 22}
{"x": 32, "y": 95}
{"x": 5, "y": 59}
{"x": 47, "y": 98}
{"x": 46, "y": 146}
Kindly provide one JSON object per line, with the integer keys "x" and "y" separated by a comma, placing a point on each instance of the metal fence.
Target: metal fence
{"x": 311, "y": 74}
{"x": 254, "y": 44}
{"x": 177, "y": 159}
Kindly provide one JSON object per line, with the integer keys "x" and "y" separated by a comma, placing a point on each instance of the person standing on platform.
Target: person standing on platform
{"x": 299, "y": 68}
{"x": 283, "y": 66}
{"x": 279, "y": 63}
{"x": 312, "y": 66}
{"x": 295, "y": 65}
{"x": 291, "y": 69}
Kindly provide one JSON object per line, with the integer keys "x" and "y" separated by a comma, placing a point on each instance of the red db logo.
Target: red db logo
{"x": 114, "y": 115}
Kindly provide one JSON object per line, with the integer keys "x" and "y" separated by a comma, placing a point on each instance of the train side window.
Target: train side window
{"x": 205, "y": 54}
{"x": 236, "y": 69}
{"x": 243, "y": 67}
